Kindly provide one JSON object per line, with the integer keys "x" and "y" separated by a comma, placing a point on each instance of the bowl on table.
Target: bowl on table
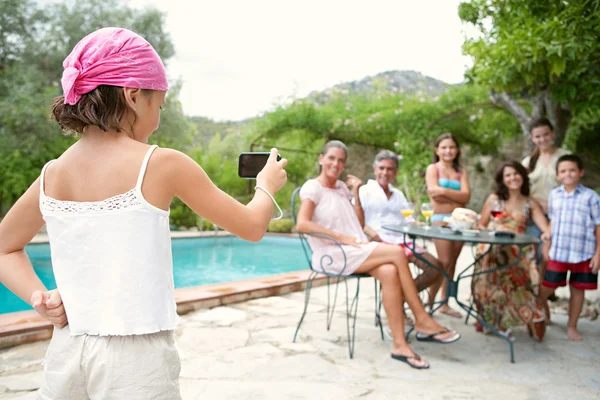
{"x": 460, "y": 225}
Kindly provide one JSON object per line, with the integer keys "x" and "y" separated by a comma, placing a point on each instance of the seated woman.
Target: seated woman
{"x": 507, "y": 298}
{"x": 326, "y": 209}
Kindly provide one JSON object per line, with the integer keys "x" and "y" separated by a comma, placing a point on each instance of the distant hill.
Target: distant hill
{"x": 394, "y": 81}
{"x": 411, "y": 82}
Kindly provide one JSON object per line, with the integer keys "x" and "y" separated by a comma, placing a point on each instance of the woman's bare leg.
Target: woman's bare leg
{"x": 391, "y": 295}
{"x": 389, "y": 254}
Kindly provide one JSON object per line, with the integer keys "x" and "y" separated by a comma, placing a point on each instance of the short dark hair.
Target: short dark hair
{"x": 501, "y": 189}
{"x": 103, "y": 107}
{"x": 386, "y": 155}
{"x": 571, "y": 158}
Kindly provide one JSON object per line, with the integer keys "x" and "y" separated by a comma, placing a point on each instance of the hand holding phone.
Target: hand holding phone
{"x": 250, "y": 164}
{"x": 266, "y": 168}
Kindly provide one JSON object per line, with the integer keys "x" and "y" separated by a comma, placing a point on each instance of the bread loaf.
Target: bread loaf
{"x": 464, "y": 214}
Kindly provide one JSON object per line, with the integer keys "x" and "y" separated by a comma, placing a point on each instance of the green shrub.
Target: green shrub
{"x": 207, "y": 225}
{"x": 281, "y": 226}
{"x": 182, "y": 215}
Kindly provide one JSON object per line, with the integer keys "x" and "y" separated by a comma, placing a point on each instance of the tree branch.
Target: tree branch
{"x": 514, "y": 108}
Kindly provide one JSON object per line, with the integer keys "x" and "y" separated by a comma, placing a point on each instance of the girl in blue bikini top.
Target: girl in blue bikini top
{"x": 445, "y": 193}
{"x": 448, "y": 183}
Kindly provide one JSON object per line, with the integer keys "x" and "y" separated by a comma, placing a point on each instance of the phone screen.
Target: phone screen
{"x": 250, "y": 164}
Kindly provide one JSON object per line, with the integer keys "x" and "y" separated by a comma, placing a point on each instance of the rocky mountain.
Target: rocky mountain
{"x": 393, "y": 81}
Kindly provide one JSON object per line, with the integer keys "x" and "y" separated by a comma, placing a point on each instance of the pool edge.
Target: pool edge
{"x": 26, "y": 326}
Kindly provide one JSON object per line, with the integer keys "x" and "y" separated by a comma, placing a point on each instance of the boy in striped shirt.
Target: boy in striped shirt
{"x": 574, "y": 212}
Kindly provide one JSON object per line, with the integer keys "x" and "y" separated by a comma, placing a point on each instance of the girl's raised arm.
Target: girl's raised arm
{"x": 188, "y": 181}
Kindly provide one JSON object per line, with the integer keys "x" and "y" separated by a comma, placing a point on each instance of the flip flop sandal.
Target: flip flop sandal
{"x": 422, "y": 337}
{"x": 415, "y": 357}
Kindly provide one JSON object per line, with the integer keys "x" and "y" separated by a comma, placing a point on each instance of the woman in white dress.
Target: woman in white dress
{"x": 326, "y": 209}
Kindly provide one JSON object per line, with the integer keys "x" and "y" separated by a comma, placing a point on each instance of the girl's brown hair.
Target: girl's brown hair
{"x": 535, "y": 153}
{"x": 104, "y": 107}
{"x": 501, "y": 189}
{"x": 456, "y": 162}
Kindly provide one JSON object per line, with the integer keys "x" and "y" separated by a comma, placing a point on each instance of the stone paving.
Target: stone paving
{"x": 245, "y": 351}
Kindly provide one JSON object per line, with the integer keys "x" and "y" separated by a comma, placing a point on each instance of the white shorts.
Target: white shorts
{"x": 111, "y": 367}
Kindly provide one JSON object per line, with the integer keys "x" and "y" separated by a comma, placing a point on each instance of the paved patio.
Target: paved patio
{"x": 245, "y": 351}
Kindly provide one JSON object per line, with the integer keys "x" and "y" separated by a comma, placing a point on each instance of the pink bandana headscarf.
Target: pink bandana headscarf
{"x": 114, "y": 57}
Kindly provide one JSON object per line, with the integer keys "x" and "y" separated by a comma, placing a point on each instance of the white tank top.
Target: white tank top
{"x": 112, "y": 262}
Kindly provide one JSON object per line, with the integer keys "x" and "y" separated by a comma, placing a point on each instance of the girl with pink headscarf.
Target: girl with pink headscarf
{"x": 105, "y": 202}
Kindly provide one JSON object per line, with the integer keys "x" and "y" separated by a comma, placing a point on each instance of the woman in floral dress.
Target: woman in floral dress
{"x": 508, "y": 297}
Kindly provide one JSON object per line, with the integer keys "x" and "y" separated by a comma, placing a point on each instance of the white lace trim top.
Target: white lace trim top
{"x": 112, "y": 262}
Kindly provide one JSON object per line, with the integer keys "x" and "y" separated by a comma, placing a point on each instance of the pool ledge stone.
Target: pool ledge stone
{"x": 27, "y": 326}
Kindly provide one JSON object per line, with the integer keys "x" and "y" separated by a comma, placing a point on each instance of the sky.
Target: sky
{"x": 239, "y": 58}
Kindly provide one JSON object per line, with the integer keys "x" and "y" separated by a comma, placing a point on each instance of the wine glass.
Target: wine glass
{"x": 496, "y": 208}
{"x": 407, "y": 210}
{"x": 427, "y": 212}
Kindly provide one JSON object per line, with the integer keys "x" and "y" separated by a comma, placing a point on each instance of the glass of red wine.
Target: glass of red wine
{"x": 496, "y": 209}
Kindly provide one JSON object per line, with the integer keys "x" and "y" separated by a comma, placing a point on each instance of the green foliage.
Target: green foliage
{"x": 181, "y": 215}
{"x": 284, "y": 225}
{"x": 207, "y": 225}
{"x": 526, "y": 46}
{"x": 34, "y": 40}
{"x": 407, "y": 124}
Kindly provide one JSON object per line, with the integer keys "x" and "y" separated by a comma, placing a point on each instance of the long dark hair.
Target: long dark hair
{"x": 535, "y": 153}
{"x": 501, "y": 189}
{"x": 456, "y": 162}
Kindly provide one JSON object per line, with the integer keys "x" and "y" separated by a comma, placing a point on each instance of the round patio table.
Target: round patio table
{"x": 483, "y": 236}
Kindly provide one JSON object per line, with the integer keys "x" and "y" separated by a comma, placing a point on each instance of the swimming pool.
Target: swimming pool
{"x": 196, "y": 261}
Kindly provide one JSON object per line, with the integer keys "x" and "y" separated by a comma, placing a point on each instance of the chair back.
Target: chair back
{"x": 326, "y": 259}
{"x": 303, "y": 239}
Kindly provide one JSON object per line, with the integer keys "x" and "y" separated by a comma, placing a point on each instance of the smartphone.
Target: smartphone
{"x": 250, "y": 164}
{"x": 504, "y": 234}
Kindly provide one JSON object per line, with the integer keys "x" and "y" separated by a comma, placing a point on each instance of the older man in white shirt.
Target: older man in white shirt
{"x": 381, "y": 203}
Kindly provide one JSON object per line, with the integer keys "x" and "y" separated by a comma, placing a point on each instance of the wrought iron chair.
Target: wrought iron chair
{"x": 351, "y": 307}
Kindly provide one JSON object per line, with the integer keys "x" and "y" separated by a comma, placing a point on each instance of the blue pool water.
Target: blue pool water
{"x": 196, "y": 261}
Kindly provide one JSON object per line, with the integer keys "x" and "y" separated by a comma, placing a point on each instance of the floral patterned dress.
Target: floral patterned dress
{"x": 508, "y": 297}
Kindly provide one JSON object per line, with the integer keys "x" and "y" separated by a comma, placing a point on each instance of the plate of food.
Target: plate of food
{"x": 462, "y": 219}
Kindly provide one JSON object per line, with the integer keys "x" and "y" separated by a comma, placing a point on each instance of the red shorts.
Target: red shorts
{"x": 581, "y": 276}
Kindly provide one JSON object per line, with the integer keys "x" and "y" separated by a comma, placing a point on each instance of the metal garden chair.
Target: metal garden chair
{"x": 351, "y": 307}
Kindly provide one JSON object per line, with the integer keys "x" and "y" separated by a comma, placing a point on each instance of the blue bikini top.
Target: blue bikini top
{"x": 448, "y": 183}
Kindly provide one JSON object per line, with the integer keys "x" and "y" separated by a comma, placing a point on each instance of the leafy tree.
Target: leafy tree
{"x": 407, "y": 124}
{"x": 34, "y": 40}
{"x": 543, "y": 52}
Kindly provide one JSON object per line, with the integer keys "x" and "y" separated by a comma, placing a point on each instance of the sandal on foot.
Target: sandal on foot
{"x": 406, "y": 359}
{"x": 423, "y": 337}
